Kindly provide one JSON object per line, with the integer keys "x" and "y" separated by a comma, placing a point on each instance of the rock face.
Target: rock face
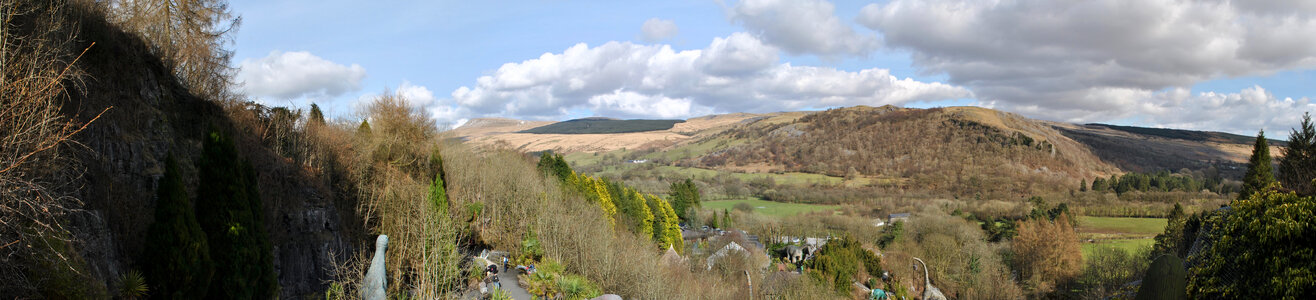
{"x": 151, "y": 116}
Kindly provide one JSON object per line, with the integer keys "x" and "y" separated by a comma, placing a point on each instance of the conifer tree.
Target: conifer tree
{"x": 1259, "y": 174}
{"x": 1297, "y": 168}
{"x": 1082, "y": 185}
{"x": 179, "y": 255}
{"x": 315, "y": 116}
{"x": 228, "y": 208}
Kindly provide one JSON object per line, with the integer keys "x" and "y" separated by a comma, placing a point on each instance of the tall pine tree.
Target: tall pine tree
{"x": 229, "y": 210}
{"x": 1259, "y": 174}
{"x": 179, "y": 255}
{"x": 1297, "y": 168}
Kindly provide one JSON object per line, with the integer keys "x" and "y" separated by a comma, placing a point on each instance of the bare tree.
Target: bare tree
{"x": 190, "y": 35}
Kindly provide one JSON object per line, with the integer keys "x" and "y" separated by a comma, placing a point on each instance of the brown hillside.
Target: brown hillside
{"x": 965, "y": 150}
{"x": 492, "y": 132}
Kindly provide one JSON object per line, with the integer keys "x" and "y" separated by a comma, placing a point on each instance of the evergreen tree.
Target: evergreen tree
{"x": 1297, "y": 168}
{"x": 315, "y": 116}
{"x": 438, "y": 194}
{"x": 179, "y": 256}
{"x": 685, "y": 198}
{"x": 228, "y": 208}
{"x": 1082, "y": 185}
{"x": 363, "y": 131}
{"x": 667, "y": 229}
{"x": 1259, "y": 174}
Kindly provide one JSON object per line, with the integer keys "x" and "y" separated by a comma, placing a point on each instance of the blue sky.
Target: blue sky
{"x": 1194, "y": 64}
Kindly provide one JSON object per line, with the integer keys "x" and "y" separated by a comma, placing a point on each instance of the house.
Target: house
{"x": 637, "y": 161}
{"x": 671, "y": 258}
{"x": 891, "y": 219}
{"x": 729, "y": 249}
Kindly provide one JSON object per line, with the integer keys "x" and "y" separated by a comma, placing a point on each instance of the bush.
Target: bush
{"x": 842, "y": 261}
{"x": 1261, "y": 247}
{"x": 1165, "y": 280}
{"x": 1107, "y": 269}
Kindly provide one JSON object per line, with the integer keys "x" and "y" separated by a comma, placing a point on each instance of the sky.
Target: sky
{"x": 1232, "y": 66}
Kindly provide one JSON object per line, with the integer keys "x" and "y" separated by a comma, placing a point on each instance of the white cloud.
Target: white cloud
{"x": 416, "y": 95}
{"x": 1101, "y": 59}
{"x": 657, "y": 82}
{"x": 299, "y": 74}
{"x": 656, "y": 29}
{"x": 737, "y": 54}
{"x": 802, "y": 26}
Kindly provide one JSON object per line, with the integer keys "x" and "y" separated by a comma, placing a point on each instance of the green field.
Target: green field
{"x": 1128, "y": 234}
{"x": 1121, "y": 226}
{"x": 769, "y": 208}
{"x": 1131, "y": 246}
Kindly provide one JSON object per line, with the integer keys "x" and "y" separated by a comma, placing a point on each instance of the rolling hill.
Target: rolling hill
{"x": 952, "y": 149}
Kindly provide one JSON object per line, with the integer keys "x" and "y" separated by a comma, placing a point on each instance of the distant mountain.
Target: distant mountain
{"x": 1191, "y": 135}
{"x": 953, "y": 148}
{"x": 603, "y": 125}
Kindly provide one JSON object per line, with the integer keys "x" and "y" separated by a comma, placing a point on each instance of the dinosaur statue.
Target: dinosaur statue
{"x": 929, "y": 292}
{"x": 375, "y": 282}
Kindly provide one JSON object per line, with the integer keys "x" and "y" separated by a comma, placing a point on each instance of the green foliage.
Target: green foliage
{"x": 666, "y": 225}
{"x": 1259, "y": 173}
{"x": 1082, "y": 185}
{"x": 438, "y": 194}
{"x": 176, "y": 246}
{"x": 1180, "y": 232}
{"x": 1165, "y": 280}
{"x": 576, "y": 287}
{"x": 1297, "y": 168}
{"x": 1000, "y": 229}
{"x": 1108, "y": 268}
{"x": 839, "y": 262}
{"x": 229, "y": 210}
{"x": 1260, "y": 248}
{"x": 1099, "y": 184}
{"x": 891, "y": 233}
{"x": 592, "y": 126}
{"x": 685, "y": 198}
{"x": 133, "y": 286}
{"x": 554, "y": 164}
{"x": 363, "y": 130}
{"x": 315, "y": 116}
{"x": 531, "y": 249}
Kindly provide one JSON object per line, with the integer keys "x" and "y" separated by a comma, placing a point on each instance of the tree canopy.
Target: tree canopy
{"x": 1297, "y": 168}
{"x": 1259, "y": 174}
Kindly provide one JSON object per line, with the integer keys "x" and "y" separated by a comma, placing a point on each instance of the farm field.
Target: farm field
{"x": 1128, "y": 234}
{"x": 776, "y": 209}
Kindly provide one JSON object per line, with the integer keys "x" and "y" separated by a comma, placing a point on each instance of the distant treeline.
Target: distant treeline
{"x": 1162, "y": 181}
{"x": 595, "y": 125}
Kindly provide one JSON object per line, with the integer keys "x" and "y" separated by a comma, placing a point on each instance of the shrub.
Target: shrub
{"x": 1261, "y": 247}
{"x": 1165, "y": 280}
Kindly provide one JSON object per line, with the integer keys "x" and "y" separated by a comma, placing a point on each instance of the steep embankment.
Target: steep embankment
{"x": 154, "y": 116}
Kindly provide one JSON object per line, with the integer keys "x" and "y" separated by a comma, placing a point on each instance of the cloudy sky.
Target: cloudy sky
{"x": 1234, "y": 66}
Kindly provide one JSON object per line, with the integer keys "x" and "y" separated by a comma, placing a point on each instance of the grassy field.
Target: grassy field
{"x": 1128, "y": 245}
{"x": 1122, "y": 226}
{"x": 1128, "y": 234}
{"x": 769, "y": 208}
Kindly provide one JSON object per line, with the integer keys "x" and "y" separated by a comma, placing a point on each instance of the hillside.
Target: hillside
{"x": 490, "y": 132}
{"x": 955, "y": 149}
{"x": 596, "y": 126}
